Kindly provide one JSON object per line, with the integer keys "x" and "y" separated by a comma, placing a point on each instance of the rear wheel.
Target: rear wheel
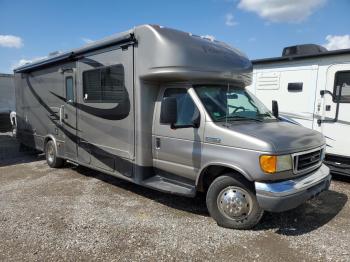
{"x": 232, "y": 203}
{"x": 51, "y": 155}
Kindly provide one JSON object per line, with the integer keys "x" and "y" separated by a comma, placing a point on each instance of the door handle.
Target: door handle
{"x": 335, "y": 119}
{"x": 157, "y": 143}
{"x": 61, "y": 114}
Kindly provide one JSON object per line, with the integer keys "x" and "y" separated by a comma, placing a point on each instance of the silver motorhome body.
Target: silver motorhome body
{"x": 104, "y": 106}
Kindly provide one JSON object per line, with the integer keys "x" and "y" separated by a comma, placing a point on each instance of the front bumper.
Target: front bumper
{"x": 285, "y": 195}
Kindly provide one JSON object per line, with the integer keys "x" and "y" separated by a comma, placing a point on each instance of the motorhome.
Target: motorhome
{"x": 312, "y": 86}
{"x": 168, "y": 110}
{"x": 7, "y": 101}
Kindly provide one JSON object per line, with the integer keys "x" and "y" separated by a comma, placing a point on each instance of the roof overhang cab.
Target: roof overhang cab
{"x": 172, "y": 54}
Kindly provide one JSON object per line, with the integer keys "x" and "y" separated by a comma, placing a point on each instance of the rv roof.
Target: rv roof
{"x": 166, "y": 54}
{"x": 109, "y": 41}
{"x": 300, "y": 57}
{"x": 127, "y": 37}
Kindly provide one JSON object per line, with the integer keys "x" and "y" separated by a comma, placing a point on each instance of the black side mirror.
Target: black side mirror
{"x": 168, "y": 111}
{"x": 275, "y": 108}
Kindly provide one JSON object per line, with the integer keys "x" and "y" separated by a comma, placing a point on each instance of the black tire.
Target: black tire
{"x": 217, "y": 193}
{"x": 51, "y": 155}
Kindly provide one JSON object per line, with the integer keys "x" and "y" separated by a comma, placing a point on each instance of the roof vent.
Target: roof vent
{"x": 307, "y": 49}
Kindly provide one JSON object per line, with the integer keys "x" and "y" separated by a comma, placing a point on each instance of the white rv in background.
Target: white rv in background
{"x": 312, "y": 87}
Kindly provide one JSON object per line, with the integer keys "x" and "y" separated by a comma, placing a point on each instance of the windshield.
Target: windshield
{"x": 229, "y": 103}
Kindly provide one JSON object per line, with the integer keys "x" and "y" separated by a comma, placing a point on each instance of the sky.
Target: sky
{"x": 30, "y": 30}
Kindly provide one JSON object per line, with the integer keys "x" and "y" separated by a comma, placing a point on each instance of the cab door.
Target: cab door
{"x": 70, "y": 115}
{"x": 178, "y": 150}
{"x": 335, "y": 123}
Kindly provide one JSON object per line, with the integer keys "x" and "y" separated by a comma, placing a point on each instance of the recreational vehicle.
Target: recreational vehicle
{"x": 168, "y": 110}
{"x": 7, "y": 101}
{"x": 312, "y": 86}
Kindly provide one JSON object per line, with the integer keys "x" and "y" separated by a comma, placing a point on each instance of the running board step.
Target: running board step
{"x": 171, "y": 186}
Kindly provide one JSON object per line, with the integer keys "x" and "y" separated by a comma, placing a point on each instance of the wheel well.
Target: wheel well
{"x": 210, "y": 173}
{"x": 47, "y": 139}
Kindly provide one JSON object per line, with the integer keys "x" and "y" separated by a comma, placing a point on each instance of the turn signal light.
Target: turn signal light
{"x": 268, "y": 164}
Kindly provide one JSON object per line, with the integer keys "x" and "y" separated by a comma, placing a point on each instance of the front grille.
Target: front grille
{"x": 307, "y": 161}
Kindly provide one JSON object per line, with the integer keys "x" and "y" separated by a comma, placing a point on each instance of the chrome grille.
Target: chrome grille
{"x": 307, "y": 161}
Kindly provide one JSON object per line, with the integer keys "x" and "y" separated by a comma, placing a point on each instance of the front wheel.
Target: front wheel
{"x": 232, "y": 203}
{"x": 51, "y": 155}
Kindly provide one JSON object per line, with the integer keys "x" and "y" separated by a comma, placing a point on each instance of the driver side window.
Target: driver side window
{"x": 186, "y": 109}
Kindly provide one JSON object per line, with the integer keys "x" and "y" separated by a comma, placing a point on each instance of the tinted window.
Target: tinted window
{"x": 186, "y": 109}
{"x": 69, "y": 89}
{"x": 342, "y": 79}
{"x": 295, "y": 87}
{"x": 104, "y": 84}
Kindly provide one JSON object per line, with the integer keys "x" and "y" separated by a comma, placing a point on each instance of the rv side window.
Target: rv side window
{"x": 295, "y": 87}
{"x": 104, "y": 85}
{"x": 69, "y": 89}
{"x": 342, "y": 79}
{"x": 186, "y": 109}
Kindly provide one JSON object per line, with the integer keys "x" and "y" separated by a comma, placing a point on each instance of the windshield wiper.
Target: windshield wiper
{"x": 234, "y": 118}
{"x": 265, "y": 114}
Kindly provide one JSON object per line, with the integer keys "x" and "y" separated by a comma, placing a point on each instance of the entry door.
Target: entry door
{"x": 70, "y": 115}
{"x": 336, "y": 125}
{"x": 178, "y": 150}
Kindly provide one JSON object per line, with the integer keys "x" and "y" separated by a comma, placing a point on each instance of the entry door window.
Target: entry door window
{"x": 69, "y": 89}
{"x": 186, "y": 109}
{"x": 342, "y": 79}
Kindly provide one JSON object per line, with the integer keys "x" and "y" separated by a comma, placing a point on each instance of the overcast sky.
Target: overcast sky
{"x": 30, "y": 30}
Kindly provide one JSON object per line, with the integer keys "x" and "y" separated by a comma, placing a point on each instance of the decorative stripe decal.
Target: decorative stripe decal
{"x": 97, "y": 152}
{"x": 118, "y": 112}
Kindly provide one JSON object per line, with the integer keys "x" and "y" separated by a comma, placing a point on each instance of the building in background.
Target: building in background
{"x": 7, "y": 101}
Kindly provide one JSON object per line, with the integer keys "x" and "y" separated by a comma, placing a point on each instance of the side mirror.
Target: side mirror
{"x": 275, "y": 108}
{"x": 168, "y": 111}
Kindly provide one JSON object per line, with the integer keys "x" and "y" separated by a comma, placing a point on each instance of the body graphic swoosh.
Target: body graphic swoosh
{"x": 118, "y": 112}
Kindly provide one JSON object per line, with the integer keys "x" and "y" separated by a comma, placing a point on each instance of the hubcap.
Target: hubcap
{"x": 234, "y": 203}
{"x": 50, "y": 153}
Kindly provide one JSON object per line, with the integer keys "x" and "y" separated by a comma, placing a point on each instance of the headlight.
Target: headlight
{"x": 271, "y": 164}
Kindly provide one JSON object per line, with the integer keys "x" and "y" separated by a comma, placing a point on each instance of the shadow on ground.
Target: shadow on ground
{"x": 302, "y": 220}
{"x": 307, "y": 217}
{"x": 12, "y": 152}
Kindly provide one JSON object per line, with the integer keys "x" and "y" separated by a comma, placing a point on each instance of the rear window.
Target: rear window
{"x": 104, "y": 85}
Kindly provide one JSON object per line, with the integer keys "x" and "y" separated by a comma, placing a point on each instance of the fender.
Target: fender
{"x": 52, "y": 137}
{"x": 231, "y": 166}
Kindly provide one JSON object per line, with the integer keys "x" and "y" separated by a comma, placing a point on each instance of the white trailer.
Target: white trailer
{"x": 312, "y": 87}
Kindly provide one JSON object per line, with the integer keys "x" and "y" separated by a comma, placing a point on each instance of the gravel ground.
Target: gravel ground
{"x": 75, "y": 213}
